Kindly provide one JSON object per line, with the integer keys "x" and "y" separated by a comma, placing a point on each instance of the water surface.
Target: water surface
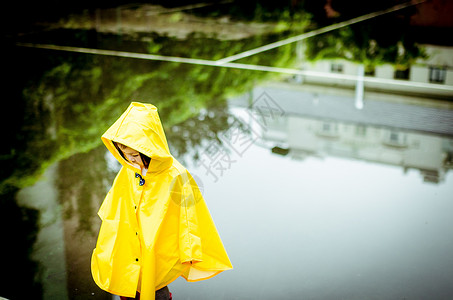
{"x": 313, "y": 197}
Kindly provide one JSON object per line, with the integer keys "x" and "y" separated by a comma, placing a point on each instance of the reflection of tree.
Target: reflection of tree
{"x": 82, "y": 184}
{"x": 195, "y": 131}
{"x": 65, "y": 109}
{"x": 195, "y": 135}
{"x": 381, "y": 40}
{"x": 284, "y": 12}
{"x": 19, "y": 228}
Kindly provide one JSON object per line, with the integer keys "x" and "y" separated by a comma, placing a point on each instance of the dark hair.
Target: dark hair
{"x": 145, "y": 159}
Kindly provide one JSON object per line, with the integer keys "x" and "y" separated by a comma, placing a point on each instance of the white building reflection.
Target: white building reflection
{"x": 320, "y": 121}
{"x": 428, "y": 77}
{"x": 427, "y": 153}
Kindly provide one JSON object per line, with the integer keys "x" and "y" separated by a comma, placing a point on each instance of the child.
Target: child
{"x": 155, "y": 223}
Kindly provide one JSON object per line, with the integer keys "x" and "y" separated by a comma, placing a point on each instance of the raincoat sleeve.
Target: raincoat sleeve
{"x": 186, "y": 194}
{"x": 200, "y": 247}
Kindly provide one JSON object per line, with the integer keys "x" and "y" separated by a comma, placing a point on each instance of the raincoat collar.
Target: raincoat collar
{"x": 140, "y": 128}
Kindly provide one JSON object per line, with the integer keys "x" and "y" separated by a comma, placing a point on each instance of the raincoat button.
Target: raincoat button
{"x": 136, "y": 259}
{"x": 142, "y": 181}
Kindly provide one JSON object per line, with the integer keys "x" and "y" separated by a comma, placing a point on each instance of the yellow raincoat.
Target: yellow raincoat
{"x": 152, "y": 233}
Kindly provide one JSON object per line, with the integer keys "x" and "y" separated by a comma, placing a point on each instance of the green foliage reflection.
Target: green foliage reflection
{"x": 382, "y": 40}
{"x": 78, "y": 96}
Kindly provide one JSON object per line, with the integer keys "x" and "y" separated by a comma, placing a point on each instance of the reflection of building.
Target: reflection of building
{"x": 393, "y": 130}
{"x": 425, "y": 152}
{"x": 431, "y": 77}
{"x": 388, "y": 115}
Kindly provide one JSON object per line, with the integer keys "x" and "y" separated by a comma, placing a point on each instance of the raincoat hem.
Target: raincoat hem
{"x": 171, "y": 280}
{"x": 119, "y": 294}
{"x": 101, "y": 286}
{"x": 204, "y": 278}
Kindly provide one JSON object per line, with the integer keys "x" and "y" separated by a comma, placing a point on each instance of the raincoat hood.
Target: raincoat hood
{"x": 156, "y": 228}
{"x": 140, "y": 128}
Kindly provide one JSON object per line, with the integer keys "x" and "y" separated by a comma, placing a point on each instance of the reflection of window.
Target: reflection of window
{"x": 395, "y": 139}
{"x": 360, "y": 130}
{"x": 370, "y": 71}
{"x": 328, "y": 129}
{"x": 402, "y": 74}
{"x": 336, "y": 68}
{"x": 437, "y": 75}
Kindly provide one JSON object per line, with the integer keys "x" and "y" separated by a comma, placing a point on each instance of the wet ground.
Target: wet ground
{"x": 314, "y": 196}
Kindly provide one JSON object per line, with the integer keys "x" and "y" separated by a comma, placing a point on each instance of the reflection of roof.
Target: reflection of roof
{"x": 375, "y": 112}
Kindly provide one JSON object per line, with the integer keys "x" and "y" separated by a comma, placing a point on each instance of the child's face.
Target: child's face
{"x": 132, "y": 155}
